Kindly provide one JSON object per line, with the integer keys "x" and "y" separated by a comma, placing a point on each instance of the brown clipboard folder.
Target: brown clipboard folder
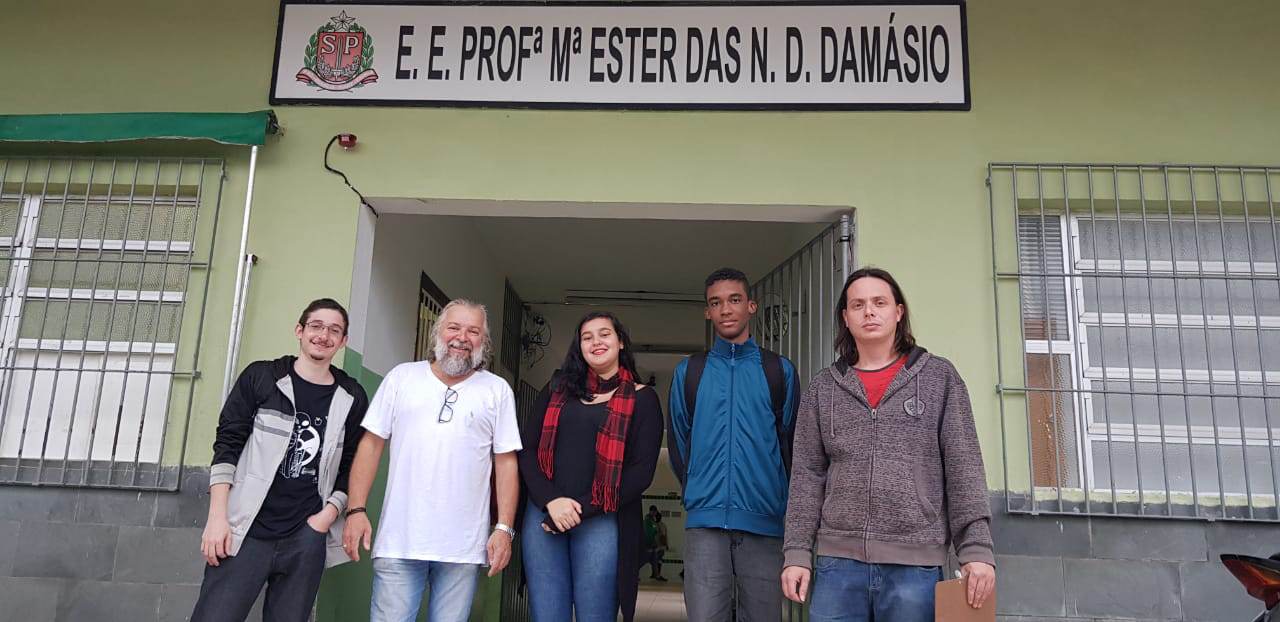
{"x": 950, "y": 604}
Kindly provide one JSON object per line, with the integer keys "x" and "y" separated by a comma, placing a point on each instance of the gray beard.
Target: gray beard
{"x": 455, "y": 366}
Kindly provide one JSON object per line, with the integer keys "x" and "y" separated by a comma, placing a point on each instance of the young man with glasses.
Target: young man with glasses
{"x": 451, "y": 425}
{"x": 278, "y": 485}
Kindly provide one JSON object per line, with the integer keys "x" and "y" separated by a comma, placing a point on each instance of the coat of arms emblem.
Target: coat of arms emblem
{"x": 339, "y": 56}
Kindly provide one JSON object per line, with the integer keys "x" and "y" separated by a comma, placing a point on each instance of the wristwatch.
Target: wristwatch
{"x": 505, "y": 529}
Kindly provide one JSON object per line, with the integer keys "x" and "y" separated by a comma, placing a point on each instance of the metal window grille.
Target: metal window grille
{"x": 1147, "y": 304}
{"x": 99, "y": 260}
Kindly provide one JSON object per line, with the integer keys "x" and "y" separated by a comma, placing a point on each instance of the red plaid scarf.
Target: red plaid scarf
{"x": 610, "y": 441}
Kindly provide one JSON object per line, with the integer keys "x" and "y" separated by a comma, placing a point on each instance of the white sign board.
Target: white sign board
{"x": 792, "y": 56}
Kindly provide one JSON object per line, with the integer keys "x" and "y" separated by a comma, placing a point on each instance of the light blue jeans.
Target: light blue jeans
{"x": 847, "y": 590}
{"x": 398, "y": 585}
{"x": 572, "y": 575}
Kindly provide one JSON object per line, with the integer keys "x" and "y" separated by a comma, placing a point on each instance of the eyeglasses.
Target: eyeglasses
{"x": 334, "y": 330}
{"x": 450, "y": 398}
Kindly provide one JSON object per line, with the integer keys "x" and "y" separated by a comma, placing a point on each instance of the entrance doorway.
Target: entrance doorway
{"x": 645, "y": 263}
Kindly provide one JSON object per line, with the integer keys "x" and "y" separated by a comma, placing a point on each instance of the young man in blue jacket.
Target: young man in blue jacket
{"x": 732, "y": 416}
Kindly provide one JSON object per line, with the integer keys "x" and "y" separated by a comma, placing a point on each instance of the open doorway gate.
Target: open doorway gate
{"x": 795, "y": 318}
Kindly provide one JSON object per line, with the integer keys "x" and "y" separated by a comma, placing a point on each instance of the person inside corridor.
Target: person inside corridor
{"x": 589, "y": 453}
{"x": 887, "y": 472}
{"x": 451, "y": 425}
{"x": 286, "y": 438}
{"x": 655, "y": 536}
{"x": 732, "y": 415}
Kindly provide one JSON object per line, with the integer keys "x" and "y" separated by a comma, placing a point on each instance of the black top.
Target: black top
{"x": 575, "y": 445}
{"x": 295, "y": 494}
{"x": 576, "y": 449}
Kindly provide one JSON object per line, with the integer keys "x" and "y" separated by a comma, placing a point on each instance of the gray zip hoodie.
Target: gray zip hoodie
{"x": 895, "y": 484}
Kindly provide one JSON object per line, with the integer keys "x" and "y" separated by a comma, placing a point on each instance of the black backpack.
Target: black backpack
{"x": 772, "y": 364}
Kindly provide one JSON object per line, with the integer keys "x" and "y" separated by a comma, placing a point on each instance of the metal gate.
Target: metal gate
{"x": 796, "y": 314}
{"x": 515, "y": 598}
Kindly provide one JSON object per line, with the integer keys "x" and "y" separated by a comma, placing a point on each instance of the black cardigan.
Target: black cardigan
{"x": 644, "y": 442}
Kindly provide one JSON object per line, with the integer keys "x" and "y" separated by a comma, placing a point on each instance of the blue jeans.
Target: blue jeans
{"x": 847, "y": 590}
{"x": 398, "y": 586}
{"x": 572, "y": 575}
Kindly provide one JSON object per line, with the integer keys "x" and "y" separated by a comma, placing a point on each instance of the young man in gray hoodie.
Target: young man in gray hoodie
{"x": 886, "y": 473}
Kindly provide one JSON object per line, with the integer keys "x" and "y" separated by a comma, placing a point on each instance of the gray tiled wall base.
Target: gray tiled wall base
{"x": 102, "y": 555}
{"x": 1079, "y": 568}
{"x": 120, "y": 556}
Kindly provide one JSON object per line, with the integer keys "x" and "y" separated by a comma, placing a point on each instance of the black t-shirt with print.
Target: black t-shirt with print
{"x": 294, "y": 494}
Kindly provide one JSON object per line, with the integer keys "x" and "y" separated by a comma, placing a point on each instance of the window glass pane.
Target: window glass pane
{"x": 1119, "y": 462}
{"x": 118, "y": 270}
{"x": 100, "y": 320}
{"x": 1140, "y": 294}
{"x": 1117, "y": 404}
{"x": 10, "y": 211}
{"x": 119, "y": 220}
{"x": 1218, "y": 349}
{"x": 1105, "y": 238}
{"x": 1052, "y": 419}
{"x": 1044, "y": 298}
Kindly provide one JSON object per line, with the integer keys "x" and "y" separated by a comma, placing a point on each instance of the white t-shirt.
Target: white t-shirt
{"x": 436, "y": 506}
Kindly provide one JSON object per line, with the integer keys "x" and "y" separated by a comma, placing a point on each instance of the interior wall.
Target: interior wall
{"x": 447, "y": 249}
{"x": 667, "y": 325}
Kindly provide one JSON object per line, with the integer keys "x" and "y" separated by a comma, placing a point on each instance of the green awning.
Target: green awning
{"x": 233, "y": 128}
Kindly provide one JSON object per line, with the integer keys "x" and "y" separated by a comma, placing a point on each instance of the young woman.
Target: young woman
{"x": 589, "y": 452}
{"x": 887, "y": 473}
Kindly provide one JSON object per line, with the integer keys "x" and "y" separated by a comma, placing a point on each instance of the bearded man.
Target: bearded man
{"x": 451, "y": 425}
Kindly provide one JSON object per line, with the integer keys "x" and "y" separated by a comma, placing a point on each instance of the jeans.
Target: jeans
{"x": 398, "y": 585}
{"x": 848, "y": 590}
{"x": 717, "y": 562}
{"x": 290, "y": 567}
{"x": 572, "y": 575}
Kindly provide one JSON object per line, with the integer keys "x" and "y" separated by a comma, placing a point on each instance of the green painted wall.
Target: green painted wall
{"x": 1139, "y": 81}
{"x": 1085, "y": 81}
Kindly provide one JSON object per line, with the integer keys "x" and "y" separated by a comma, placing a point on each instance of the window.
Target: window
{"x": 97, "y": 266}
{"x": 1150, "y": 329}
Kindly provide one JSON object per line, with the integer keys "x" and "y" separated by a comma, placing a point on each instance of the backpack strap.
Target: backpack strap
{"x": 772, "y": 364}
{"x": 693, "y": 376}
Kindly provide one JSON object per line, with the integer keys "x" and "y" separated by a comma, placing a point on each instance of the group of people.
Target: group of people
{"x": 848, "y": 496}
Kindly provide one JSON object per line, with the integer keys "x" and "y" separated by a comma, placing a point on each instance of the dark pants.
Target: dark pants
{"x": 290, "y": 568}
{"x": 719, "y": 563}
{"x": 655, "y": 562}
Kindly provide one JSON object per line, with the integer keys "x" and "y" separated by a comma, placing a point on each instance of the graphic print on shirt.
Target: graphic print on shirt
{"x": 304, "y": 447}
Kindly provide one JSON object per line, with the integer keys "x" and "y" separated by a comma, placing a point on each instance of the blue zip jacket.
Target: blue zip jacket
{"x": 735, "y": 479}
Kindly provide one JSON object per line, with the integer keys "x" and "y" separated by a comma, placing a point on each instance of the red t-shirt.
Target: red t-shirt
{"x": 877, "y": 380}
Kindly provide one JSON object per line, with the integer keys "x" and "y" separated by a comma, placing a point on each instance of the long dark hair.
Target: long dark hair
{"x": 573, "y": 373}
{"x": 903, "y": 341}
